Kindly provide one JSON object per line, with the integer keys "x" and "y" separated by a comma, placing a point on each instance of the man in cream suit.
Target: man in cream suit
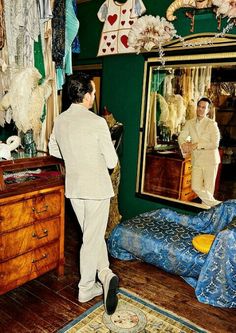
{"x": 83, "y": 140}
{"x": 200, "y": 137}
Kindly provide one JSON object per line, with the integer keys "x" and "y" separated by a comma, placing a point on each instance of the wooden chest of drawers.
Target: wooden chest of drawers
{"x": 168, "y": 177}
{"x": 31, "y": 227}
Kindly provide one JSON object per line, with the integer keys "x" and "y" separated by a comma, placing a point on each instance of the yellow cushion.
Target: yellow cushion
{"x": 203, "y": 243}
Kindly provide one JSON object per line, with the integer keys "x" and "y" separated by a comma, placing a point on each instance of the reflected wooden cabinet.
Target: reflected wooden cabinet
{"x": 31, "y": 220}
{"x": 168, "y": 176}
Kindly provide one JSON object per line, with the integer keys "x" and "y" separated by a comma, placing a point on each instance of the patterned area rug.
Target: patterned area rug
{"x": 133, "y": 315}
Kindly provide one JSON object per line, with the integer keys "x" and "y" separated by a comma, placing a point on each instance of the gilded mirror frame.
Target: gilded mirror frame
{"x": 197, "y": 52}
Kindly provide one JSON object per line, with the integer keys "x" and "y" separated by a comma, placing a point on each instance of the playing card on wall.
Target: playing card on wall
{"x": 118, "y": 18}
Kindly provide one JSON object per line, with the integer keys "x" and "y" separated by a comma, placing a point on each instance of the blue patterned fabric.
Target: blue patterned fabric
{"x": 164, "y": 238}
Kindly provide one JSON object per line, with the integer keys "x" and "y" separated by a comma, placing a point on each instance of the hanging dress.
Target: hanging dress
{"x": 118, "y": 18}
{"x": 2, "y": 26}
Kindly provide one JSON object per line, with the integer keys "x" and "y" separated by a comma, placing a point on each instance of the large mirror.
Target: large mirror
{"x": 170, "y": 95}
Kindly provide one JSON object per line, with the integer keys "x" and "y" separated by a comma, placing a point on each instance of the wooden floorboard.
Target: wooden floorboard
{"x": 174, "y": 294}
{"x": 46, "y": 304}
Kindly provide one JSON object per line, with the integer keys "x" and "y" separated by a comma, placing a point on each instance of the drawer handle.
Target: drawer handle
{"x": 40, "y": 211}
{"x": 44, "y": 256}
{"x": 45, "y": 234}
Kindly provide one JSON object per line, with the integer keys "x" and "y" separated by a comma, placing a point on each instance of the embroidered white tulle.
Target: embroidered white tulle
{"x": 22, "y": 29}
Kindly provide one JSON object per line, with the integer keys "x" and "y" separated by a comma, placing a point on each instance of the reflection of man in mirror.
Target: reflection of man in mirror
{"x": 200, "y": 138}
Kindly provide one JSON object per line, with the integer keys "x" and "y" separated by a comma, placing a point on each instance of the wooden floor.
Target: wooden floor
{"x": 47, "y": 304}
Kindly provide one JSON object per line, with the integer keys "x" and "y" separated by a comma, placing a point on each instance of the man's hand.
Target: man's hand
{"x": 194, "y": 146}
{"x": 188, "y": 147}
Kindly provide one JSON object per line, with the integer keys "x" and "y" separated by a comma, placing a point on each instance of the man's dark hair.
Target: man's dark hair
{"x": 204, "y": 99}
{"x": 78, "y": 85}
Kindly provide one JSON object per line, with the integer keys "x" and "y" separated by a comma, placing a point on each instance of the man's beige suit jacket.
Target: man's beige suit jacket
{"x": 83, "y": 140}
{"x": 207, "y": 137}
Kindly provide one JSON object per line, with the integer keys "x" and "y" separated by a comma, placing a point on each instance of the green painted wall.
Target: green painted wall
{"x": 122, "y": 88}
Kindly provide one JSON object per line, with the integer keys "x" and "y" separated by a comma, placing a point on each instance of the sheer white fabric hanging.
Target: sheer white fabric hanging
{"x": 22, "y": 29}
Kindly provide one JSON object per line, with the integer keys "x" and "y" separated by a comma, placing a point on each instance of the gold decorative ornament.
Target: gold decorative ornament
{"x": 177, "y": 4}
